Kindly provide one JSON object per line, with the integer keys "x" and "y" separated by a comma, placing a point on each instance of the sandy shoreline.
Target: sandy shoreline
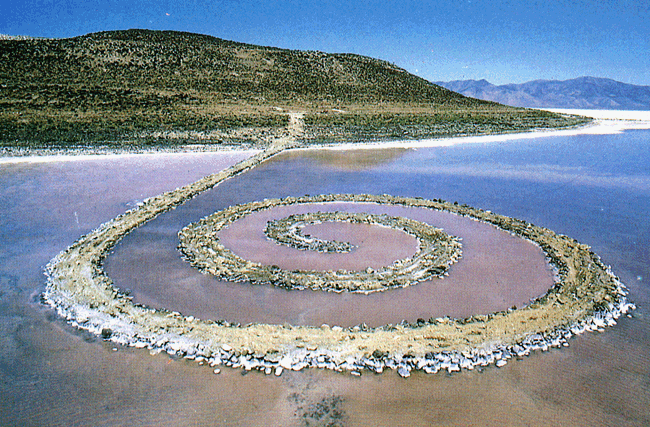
{"x": 606, "y": 122}
{"x": 108, "y": 156}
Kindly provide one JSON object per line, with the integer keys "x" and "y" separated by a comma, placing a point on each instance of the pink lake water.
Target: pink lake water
{"x": 497, "y": 271}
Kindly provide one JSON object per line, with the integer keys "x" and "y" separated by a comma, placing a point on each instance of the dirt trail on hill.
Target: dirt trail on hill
{"x": 295, "y": 129}
{"x": 296, "y": 124}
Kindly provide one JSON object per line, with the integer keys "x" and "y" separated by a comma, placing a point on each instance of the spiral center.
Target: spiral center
{"x": 200, "y": 244}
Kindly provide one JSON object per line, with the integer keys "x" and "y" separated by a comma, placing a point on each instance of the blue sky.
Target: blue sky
{"x": 502, "y": 41}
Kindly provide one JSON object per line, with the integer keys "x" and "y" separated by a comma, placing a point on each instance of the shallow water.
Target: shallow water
{"x": 593, "y": 188}
{"x": 496, "y": 272}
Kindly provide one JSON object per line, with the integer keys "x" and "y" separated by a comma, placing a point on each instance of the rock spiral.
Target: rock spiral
{"x": 200, "y": 244}
{"x": 586, "y": 296}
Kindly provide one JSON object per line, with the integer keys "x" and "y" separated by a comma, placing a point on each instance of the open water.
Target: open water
{"x": 595, "y": 188}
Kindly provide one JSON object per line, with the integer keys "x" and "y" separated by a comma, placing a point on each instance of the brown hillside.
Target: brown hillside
{"x": 141, "y": 87}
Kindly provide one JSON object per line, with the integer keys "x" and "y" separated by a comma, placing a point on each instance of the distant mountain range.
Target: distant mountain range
{"x": 582, "y": 92}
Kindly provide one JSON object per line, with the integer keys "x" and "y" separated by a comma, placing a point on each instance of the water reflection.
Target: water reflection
{"x": 349, "y": 159}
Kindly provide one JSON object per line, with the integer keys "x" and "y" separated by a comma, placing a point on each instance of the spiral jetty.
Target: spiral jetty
{"x": 201, "y": 246}
{"x": 586, "y": 296}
